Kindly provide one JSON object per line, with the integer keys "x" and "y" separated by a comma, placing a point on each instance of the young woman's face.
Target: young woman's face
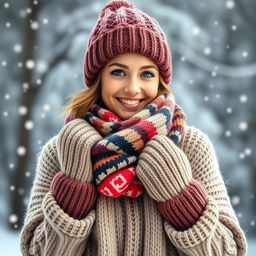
{"x": 129, "y": 82}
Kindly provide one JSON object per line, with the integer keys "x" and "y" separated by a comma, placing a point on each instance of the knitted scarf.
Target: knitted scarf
{"x": 115, "y": 157}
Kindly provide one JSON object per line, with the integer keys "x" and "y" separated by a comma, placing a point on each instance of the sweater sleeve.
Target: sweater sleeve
{"x": 217, "y": 231}
{"x": 47, "y": 229}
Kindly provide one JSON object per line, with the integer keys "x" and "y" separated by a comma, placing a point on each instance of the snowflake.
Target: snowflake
{"x": 196, "y": 31}
{"x": 243, "y": 126}
{"x": 13, "y": 218}
{"x": 243, "y": 98}
{"x": 23, "y": 110}
{"x": 7, "y": 96}
{"x": 234, "y": 27}
{"x": 46, "y": 107}
{"x": 248, "y": 151}
{"x": 207, "y": 51}
{"x": 245, "y": 54}
{"x": 228, "y": 133}
{"x": 6, "y": 5}
{"x": 12, "y": 187}
{"x": 34, "y": 25}
{"x": 5, "y": 113}
{"x": 230, "y": 4}
{"x": 30, "y": 64}
{"x": 252, "y": 223}
{"x": 183, "y": 58}
{"x": 42, "y": 66}
{"x": 8, "y": 24}
{"x": 17, "y": 48}
{"x": 4, "y": 63}
{"x": 229, "y": 110}
{"x": 38, "y": 81}
{"x": 235, "y": 200}
{"x": 206, "y": 98}
{"x": 21, "y": 151}
{"x": 29, "y": 125}
{"x": 11, "y": 165}
{"x": 45, "y": 21}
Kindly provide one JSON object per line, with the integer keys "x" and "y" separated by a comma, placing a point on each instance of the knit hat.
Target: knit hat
{"x": 122, "y": 28}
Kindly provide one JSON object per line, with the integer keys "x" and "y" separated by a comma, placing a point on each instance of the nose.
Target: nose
{"x": 132, "y": 86}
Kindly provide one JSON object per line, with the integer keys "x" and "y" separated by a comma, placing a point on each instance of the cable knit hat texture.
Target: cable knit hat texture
{"x": 123, "y": 28}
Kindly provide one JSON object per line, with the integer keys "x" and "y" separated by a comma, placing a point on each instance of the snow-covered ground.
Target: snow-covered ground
{"x": 10, "y": 244}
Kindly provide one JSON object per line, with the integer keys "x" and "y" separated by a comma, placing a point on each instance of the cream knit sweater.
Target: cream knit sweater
{"x": 124, "y": 226}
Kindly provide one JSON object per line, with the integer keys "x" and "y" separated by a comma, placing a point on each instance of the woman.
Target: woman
{"x": 126, "y": 175}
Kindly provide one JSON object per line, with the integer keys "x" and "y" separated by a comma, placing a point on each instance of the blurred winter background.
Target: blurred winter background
{"x": 42, "y": 45}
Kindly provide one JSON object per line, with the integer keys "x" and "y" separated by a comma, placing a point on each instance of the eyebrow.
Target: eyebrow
{"x": 124, "y": 66}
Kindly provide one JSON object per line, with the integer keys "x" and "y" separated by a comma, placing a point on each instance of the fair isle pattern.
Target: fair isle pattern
{"x": 115, "y": 156}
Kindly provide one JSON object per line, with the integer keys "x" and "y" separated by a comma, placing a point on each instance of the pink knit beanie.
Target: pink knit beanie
{"x": 122, "y": 28}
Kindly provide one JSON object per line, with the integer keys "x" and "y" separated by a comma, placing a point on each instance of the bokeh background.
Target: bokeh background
{"x": 42, "y": 44}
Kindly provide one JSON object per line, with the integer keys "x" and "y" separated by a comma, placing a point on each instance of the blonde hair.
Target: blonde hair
{"x": 82, "y": 101}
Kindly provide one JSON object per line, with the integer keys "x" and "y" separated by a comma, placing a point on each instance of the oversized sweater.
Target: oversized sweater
{"x": 125, "y": 226}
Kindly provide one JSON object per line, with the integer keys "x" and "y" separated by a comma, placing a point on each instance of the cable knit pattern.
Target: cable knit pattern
{"x": 184, "y": 210}
{"x": 74, "y": 197}
{"x": 123, "y": 226}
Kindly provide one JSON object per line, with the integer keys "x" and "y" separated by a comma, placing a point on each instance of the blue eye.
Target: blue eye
{"x": 114, "y": 72}
{"x": 147, "y": 72}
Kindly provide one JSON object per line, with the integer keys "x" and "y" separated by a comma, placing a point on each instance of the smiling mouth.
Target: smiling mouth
{"x": 130, "y": 103}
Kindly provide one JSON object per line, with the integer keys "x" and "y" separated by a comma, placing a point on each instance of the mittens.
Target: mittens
{"x": 165, "y": 172}
{"x": 72, "y": 187}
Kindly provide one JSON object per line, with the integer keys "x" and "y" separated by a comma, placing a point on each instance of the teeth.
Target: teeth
{"x": 132, "y": 102}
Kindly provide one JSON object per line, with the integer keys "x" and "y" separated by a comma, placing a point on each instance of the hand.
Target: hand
{"x": 163, "y": 168}
{"x": 74, "y": 144}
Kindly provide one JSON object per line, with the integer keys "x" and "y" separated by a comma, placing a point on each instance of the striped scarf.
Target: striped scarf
{"x": 115, "y": 157}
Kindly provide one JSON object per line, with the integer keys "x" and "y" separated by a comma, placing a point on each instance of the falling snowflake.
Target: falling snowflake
{"x": 42, "y": 66}
{"x": 12, "y": 187}
{"x": 228, "y": 133}
{"x": 17, "y": 48}
{"x": 235, "y": 200}
{"x": 245, "y": 54}
{"x": 243, "y": 98}
{"x": 23, "y": 110}
{"x": 234, "y": 27}
{"x": 13, "y": 218}
{"x": 182, "y": 58}
{"x": 11, "y": 165}
{"x": 30, "y": 64}
{"x": 46, "y": 107}
{"x": 248, "y": 151}
{"x": 6, "y": 5}
{"x": 216, "y": 23}
{"x": 4, "y": 63}
{"x": 38, "y": 81}
{"x": 34, "y": 25}
{"x": 5, "y": 113}
{"x": 243, "y": 126}
{"x": 8, "y": 24}
{"x": 252, "y": 223}
{"x": 27, "y": 174}
{"x": 206, "y": 98}
{"x": 230, "y": 4}
{"x": 45, "y": 21}
{"x": 21, "y": 151}
{"x": 207, "y": 51}
{"x": 29, "y": 125}
{"x": 229, "y": 110}
{"x": 241, "y": 155}
{"x": 196, "y": 31}
{"x": 7, "y": 96}
{"x": 28, "y": 10}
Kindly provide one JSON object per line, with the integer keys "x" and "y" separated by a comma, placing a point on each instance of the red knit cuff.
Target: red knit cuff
{"x": 184, "y": 210}
{"x": 74, "y": 197}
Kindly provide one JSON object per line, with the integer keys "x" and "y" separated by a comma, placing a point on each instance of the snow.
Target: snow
{"x": 10, "y": 242}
